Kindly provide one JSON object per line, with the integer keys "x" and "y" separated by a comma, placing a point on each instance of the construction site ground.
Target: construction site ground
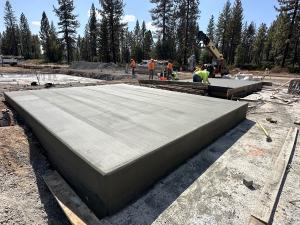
{"x": 207, "y": 189}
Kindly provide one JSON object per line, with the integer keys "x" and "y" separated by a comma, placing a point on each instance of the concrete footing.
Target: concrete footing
{"x": 113, "y": 142}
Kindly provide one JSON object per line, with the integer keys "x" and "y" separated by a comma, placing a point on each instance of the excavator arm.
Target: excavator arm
{"x": 210, "y": 46}
{"x": 214, "y": 52}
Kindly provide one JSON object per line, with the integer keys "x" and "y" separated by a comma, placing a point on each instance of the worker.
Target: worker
{"x": 151, "y": 69}
{"x": 169, "y": 70}
{"x": 201, "y": 75}
{"x": 132, "y": 66}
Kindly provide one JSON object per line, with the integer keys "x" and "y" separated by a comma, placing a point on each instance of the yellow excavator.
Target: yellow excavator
{"x": 218, "y": 65}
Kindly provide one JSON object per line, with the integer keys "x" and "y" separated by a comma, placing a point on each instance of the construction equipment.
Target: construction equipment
{"x": 217, "y": 67}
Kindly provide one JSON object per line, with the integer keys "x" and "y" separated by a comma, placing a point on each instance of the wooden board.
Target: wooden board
{"x": 270, "y": 194}
{"x": 76, "y": 211}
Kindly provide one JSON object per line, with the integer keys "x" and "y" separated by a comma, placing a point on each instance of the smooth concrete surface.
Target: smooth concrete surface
{"x": 27, "y": 79}
{"x": 231, "y": 83}
{"x": 228, "y": 83}
{"x": 112, "y": 142}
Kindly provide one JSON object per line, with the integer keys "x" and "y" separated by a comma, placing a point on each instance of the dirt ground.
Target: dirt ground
{"x": 207, "y": 189}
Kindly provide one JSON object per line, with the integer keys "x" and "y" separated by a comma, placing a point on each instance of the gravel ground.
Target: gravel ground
{"x": 207, "y": 189}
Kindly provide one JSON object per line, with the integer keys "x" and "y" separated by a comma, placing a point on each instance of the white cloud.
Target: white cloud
{"x": 151, "y": 27}
{"x": 128, "y": 19}
{"x": 36, "y": 23}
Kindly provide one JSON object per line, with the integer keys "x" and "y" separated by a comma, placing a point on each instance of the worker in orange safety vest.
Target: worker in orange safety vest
{"x": 132, "y": 66}
{"x": 151, "y": 69}
{"x": 169, "y": 70}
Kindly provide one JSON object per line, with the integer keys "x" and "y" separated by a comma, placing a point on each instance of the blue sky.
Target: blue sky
{"x": 254, "y": 10}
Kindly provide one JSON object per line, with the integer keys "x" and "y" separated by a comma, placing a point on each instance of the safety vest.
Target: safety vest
{"x": 151, "y": 65}
{"x": 204, "y": 74}
{"x": 132, "y": 64}
{"x": 170, "y": 66}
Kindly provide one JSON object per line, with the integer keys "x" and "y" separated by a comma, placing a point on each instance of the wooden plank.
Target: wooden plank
{"x": 270, "y": 194}
{"x": 74, "y": 208}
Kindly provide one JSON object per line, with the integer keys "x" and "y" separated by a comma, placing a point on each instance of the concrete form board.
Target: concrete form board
{"x": 112, "y": 142}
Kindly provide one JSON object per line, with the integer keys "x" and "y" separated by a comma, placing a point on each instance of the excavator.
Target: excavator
{"x": 218, "y": 66}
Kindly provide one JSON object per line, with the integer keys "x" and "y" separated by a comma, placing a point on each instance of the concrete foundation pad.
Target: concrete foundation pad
{"x": 113, "y": 142}
{"x": 228, "y": 88}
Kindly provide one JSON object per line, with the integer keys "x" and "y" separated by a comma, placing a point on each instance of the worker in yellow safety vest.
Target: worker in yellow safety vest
{"x": 201, "y": 75}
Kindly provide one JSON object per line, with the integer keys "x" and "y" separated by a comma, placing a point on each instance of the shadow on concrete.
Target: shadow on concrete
{"x": 152, "y": 204}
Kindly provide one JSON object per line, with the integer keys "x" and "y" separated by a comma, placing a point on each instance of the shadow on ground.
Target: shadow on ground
{"x": 152, "y": 204}
{"x": 40, "y": 167}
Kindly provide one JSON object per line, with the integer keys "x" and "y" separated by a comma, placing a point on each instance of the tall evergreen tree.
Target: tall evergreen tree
{"x": 104, "y": 42}
{"x": 292, "y": 9}
{"x": 10, "y": 43}
{"x": 148, "y": 44}
{"x": 112, "y": 12}
{"x": 85, "y": 45}
{"x": 137, "y": 48}
{"x": 211, "y": 28}
{"x": 67, "y": 25}
{"x": 259, "y": 44}
{"x": 244, "y": 50}
{"x": 93, "y": 31}
{"x": 36, "y": 47}
{"x": 25, "y": 38}
{"x": 222, "y": 31}
{"x": 235, "y": 30}
{"x": 188, "y": 14}
{"x": 55, "y": 47}
{"x": 161, "y": 16}
{"x": 279, "y": 38}
{"x": 45, "y": 35}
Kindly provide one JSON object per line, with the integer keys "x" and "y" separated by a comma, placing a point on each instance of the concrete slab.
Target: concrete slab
{"x": 113, "y": 142}
{"x": 228, "y": 88}
{"x": 27, "y": 79}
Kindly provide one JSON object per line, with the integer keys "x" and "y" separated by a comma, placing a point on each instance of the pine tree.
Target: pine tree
{"x": 126, "y": 37}
{"x": 44, "y": 35}
{"x": 93, "y": 31}
{"x": 279, "y": 38}
{"x": 161, "y": 16}
{"x": 55, "y": 47}
{"x": 104, "y": 49}
{"x": 268, "y": 46}
{"x": 36, "y": 47}
{"x": 292, "y": 9}
{"x": 235, "y": 30}
{"x": 148, "y": 44}
{"x": 10, "y": 38}
{"x": 67, "y": 25}
{"x": 259, "y": 44}
{"x": 211, "y": 28}
{"x": 188, "y": 14}
{"x": 222, "y": 31}
{"x": 244, "y": 50}
{"x": 137, "y": 48}
{"x": 25, "y": 38}
{"x": 112, "y": 12}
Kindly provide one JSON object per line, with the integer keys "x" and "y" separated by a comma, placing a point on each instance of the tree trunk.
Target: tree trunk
{"x": 186, "y": 33}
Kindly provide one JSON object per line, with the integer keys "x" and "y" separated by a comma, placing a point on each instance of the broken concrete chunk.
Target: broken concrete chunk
{"x": 271, "y": 120}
